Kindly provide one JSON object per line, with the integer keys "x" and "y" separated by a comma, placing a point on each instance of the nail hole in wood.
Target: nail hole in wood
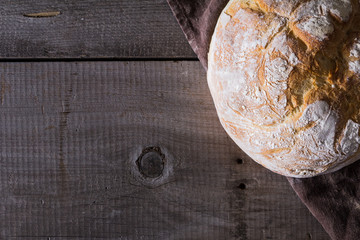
{"x": 151, "y": 162}
{"x": 242, "y": 186}
{"x": 239, "y": 161}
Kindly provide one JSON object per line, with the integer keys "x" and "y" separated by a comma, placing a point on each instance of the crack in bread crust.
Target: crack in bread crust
{"x": 285, "y": 79}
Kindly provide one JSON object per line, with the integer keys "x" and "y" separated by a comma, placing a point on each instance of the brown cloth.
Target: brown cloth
{"x": 334, "y": 199}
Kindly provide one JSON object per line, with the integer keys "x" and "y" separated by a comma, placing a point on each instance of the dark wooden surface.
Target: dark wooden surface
{"x": 123, "y": 149}
{"x": 90, "y": 28}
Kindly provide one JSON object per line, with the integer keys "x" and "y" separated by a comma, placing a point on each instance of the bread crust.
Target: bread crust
{"x": 285, "y": 80}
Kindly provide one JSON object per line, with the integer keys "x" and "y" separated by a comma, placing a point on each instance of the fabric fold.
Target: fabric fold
{"x": 198, "y": 19}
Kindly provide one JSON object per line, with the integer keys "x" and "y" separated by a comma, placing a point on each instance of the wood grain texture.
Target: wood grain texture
{"x": 70, "y": 137}
{"x": 90, "y": 29}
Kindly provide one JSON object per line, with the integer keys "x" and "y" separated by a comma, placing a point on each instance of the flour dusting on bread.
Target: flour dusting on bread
{"x": 284, "y": 76}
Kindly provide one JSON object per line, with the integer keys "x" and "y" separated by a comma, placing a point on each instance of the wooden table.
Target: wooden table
{"x": 108, "y": 130}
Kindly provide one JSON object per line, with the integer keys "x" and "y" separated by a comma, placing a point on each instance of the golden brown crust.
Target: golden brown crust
{"x": 284, "y": 76}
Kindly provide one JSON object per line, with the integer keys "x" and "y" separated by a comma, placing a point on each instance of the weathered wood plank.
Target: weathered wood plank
{"x": 90, "y": 29}
{"x": 71, "y": 136}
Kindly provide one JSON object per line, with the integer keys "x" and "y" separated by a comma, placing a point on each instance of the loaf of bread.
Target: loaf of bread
{"x": 285, "y": 80}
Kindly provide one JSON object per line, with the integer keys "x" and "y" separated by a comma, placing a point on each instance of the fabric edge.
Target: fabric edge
{"x": 183, "y": 21}
{"x": 292, "y": 182}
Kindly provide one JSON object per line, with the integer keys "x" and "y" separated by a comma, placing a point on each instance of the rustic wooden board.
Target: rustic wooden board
{"x": 90, "y": 29}
{"x": 72, "y": 132}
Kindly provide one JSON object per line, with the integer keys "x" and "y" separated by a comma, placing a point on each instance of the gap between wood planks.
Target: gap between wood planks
{"x": 99, "y": 59}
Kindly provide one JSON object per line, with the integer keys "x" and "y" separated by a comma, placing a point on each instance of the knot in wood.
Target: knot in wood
{"x": 151, "y": 162}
